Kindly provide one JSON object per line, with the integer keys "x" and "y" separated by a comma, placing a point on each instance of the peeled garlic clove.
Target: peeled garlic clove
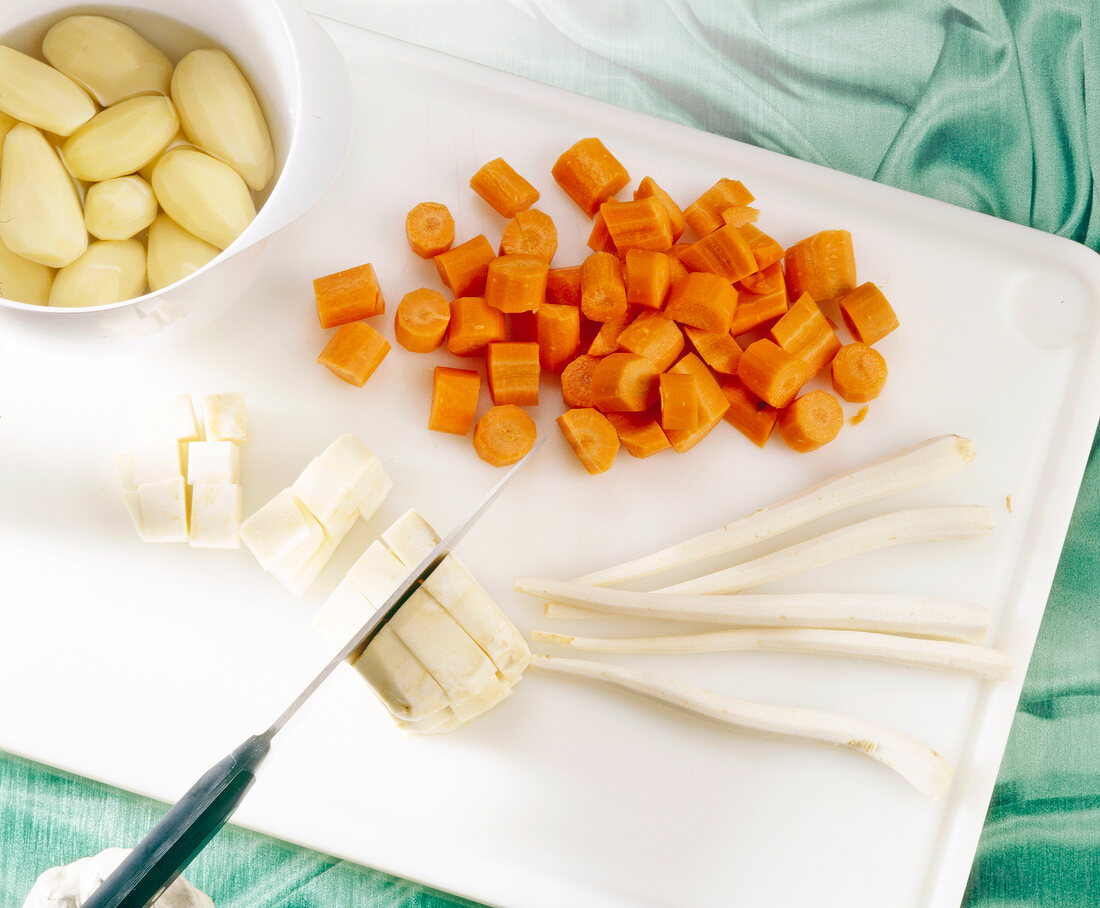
{"x": 203, "y": 195}
{"x": 106, "y": 57}
{"x": 40, "y": 216}
{"x": 22, "y": 280}
{"x": 110, "y": 271}
{"x": 122, "y": 138}
{"x": 119, "y": 208}
{"x": 174, "y": 253}
{"x": 36, "y": 93}
{"x": 219, "y": 112}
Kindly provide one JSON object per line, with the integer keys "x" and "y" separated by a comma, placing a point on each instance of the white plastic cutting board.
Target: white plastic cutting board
{"x": 140, "y": 664}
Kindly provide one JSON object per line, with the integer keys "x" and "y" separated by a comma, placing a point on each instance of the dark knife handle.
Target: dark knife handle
{"x": 183, "y": 832}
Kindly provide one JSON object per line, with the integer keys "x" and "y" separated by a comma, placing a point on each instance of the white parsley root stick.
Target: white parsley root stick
{"x": 907, "y": 469}
{"x": 918, "y": 764}
{"x": 923, "y": 616}
{"x": 938, "y": 654}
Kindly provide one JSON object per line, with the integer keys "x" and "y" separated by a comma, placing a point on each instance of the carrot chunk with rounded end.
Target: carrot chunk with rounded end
{"x": 702, "y": 300}
{"x": 747, "y": 413}
{"x": 606, "y": 339}
{"x": 648, "y": 188}
{"x": 463, "y": 268}
{"x": 474, "y": 325}
{"x": 648, "y": 275}
{"x": 558, "y": 330}
{"x": 516, "y": 283}
{"x": 771, "y": 373}
{"x": 810, "y": 421}
{"x": 822, "y": 265}
{"x": 656, "y": 337}
{"x": 576, "y": 381}
{"x": 639, "y": 433}
{"x": 806, "y": 333}
{"x": 769, "y": 279}
{"x": 421, "y": 320}
{"x": 867, "y": 314}
{"x": 724, "y": 252}
{"x": 513, "y": 370}
{"x": 756, "y": 310}
{"x": 641, "y": 224}
{"x": 719, "y": 350}
{"x": 712, "y": 404}
{"x": 599, "y": 240}
{"x": 603, "y": 290}
{"x": 625, "y": 382}
{"x": 504, "y": 435}
{"x": 504, "y": 189}
{"x": 354, "y": 352}
{"x": 563, "y": 286}
{"x": 679, "y": 401}
{"x": 430, "y": 229}
{"x": 765, "y": 249}
{"x": 591, "y": 436}
{"x": 454, "y": 399}
{"x": 705, "y": 213}
{"x": 858, "y": 373}
{"x": 530, "y": 232}
{"x": 589, "y": 174}
{"x": 348, "y": 296}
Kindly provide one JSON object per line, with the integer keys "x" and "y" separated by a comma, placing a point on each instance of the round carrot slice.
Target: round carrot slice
{"x": 504, "y": 434}
{"x": 812, "y": 420}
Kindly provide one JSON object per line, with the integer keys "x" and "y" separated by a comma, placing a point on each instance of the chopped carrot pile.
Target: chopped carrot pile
{"x": 680, "y": 318}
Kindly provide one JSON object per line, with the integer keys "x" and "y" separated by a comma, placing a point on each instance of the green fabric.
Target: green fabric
{"x": 988, "y": 105}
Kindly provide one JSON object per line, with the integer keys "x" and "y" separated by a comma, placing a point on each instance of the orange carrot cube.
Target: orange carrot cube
{"x": 354, "y": 352}
{"x": 639, "y": 433}
{"x": 348, "y": 296}
{"x": 724, "y": 252}
{"x": 704, "y": 215}
{"x": 648, "y": 188}
{"x": 454, "y": 400}
{"x": 516, "y": 283}
{"x": 504, "y": 189}
{"x": 655, "y": 336}
{"x": 712, "y": 404}
{"x": 558, "y": 330}
{"x": 702, "y": 300}
{"x": 474, "y": 325}
{"x": 513, "y": 370}
{"x": 589, "y": 174}
{"x": 463, "y": 268}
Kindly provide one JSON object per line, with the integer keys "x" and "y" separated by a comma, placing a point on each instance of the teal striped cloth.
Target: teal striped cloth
{"x": 989, "y": 105}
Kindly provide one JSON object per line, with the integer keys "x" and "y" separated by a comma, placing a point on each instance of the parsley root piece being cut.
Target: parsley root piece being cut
{"x": 504, "y": 435}
{"x": 430, "y": 229}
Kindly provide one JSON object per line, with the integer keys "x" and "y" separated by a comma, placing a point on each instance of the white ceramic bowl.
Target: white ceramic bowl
{"x": 304, "y": 88}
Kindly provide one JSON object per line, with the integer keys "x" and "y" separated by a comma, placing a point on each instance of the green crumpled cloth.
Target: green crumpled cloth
{"x": 992, "y": 106}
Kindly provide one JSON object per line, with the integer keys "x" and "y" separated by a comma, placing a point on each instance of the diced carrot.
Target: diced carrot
{"x": 474, "y": 325}
{"x": 522, "y": 326}
{"x": 504, "y": 435}
{"x": 810, "y": 421}
{"x": 655, "y": 336}
{"x": 771, "y": 373}
{"x": 806, "y": 333}
{"x": 563, "y": 286}
{"x": 641, "y": 224}
{"x": 648, "y": 276}
{"x": 858, "y": 373}
{"x": 430, "y": 229}
{"x": 757, "y": 310}
{"x": 463, "y": 268}
{"x": 504, "y": 189}
{"x": 348, "y": 296}
{"x": 648, "y": 188}
{"x": 740, "y": 216}
{"x": 591, "y": 436}
{"x": 513, "y": 370}
{"x": 712, "y": 404}
{"x": 679, "y": 399}
{"x": 603, "y": 291}
{"x": 516, "y": 283}
{"x": 765, "y": 249}
{"x": 769, "y": 279}
{"x": 421, "y": 320}
{"x": 719, "y": 350}
{"x": 724, "y": 252}
{"x": 589, "y": 174}
{"x": 599, "y": 240}
{"x": 822, "y": 265}
{"x": 454, "y": 399}
{"x": 703, "y": 300}
{"x": 640, "y": 434}
{"x": 530, "y": 232}
{"x": 559, "y": 335}
{"x": 354, "y": 352}
{"x": 705, "y": 213}
{"x": 676, "y": 267}
{"x": 867, "y": 313}
{"x": 576, "y": 381}
{"x": 748, "y": 413}
{"x": 607, "y": 336}
{"x": 624, "y": 381}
